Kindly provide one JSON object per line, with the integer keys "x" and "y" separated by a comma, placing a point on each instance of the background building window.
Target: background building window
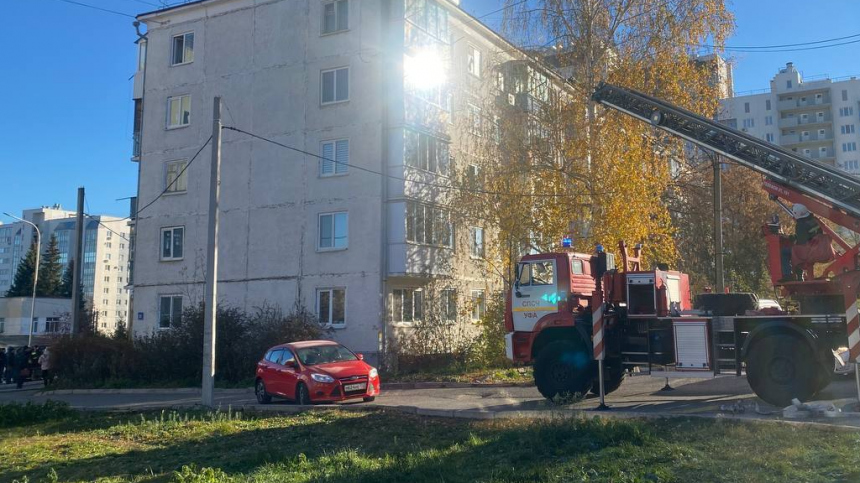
{"x": 479, "y": 304}
{"x": 170, "y": 311}
{"x": 474, "y": 61}
{"x": 176, "y": 177}
{"x": 333, "y": 231}
{"x": 331, "y": 306}
{"x": 407, "y": 305}
{"x": 476, "y": 242}
{"x": 448, "y": 304}
{"x": 178, "y": 111}
{"x": 335, "y": 85}
{"x": 183, "y": 48}
{"x": 474, "y": 119}
{"x": 172, "y": 242}
{"x": 426, "y": 152}
{"x": 335, "y": 16}
{"x": 428, "y": 224}
{"x": 335, "y": 156}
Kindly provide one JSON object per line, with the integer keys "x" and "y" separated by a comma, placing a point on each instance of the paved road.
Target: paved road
{"x": 639, "y": 394}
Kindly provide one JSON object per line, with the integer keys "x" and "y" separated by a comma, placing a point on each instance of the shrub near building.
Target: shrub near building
{"x": 174, "y": 357}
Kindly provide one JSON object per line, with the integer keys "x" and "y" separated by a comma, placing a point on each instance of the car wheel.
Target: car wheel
{"x": 303, "y": 396}
{"x": 263, "y": 397}
{"x": 370, "y": 399}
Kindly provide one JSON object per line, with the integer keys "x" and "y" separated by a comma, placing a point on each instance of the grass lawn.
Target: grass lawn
{"x": 458, "y": 374}
{"x": 339, "y": 446}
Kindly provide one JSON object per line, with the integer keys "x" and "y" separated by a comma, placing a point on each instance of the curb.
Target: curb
{"x": 392, "y": 386}
{"x": 398, "y": 386}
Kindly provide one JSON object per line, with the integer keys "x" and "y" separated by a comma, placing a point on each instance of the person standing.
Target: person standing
{"x": 22, "y": 359}
{"x": 11, "y": 354}
{"x": 45, "y": 363}
{"x": 2, "y": 364}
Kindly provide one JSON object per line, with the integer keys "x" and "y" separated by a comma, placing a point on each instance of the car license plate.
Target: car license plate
{"x": 354, "y": 387}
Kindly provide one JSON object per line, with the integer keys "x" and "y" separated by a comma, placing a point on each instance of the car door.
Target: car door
{"x": 535, "y": 293}
{"x": 271, "y": 374}
{"x": 288, "y": 374}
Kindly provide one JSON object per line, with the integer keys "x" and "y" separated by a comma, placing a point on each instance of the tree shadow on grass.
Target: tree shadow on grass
{"x": 373, "y": 446}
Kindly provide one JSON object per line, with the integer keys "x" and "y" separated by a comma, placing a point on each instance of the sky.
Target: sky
{"x": 66, "y": 87}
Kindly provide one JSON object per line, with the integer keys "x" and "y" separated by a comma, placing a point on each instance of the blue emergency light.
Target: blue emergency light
{"x": 599, "y": 248}
{"x": 566, "y": 242}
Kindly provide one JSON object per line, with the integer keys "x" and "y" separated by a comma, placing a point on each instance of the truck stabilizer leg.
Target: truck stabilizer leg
{"x": 602, "y": 406}
{"x": 667, "y": 387}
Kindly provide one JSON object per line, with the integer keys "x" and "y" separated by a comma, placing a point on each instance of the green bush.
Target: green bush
{"x": 489, "y": 349}
{"x": 14, "y": 414}
{"x": 174, "y": 357}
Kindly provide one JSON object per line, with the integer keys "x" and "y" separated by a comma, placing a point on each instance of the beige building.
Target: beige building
{"x": 105, "y": 264}
{"x": 387, "y": 97}
{"x": 52, "y": 316}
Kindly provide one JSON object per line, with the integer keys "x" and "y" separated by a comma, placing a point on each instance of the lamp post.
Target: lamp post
{"x": 35, "y": 274}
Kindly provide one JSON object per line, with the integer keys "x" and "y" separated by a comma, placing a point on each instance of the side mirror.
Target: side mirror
{"x": 360, "y": 356}
{"x": 291, "y": 364}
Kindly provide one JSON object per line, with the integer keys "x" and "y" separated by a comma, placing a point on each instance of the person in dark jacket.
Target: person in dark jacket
{"x": 22, "y": 360}
{"x": 2, "y": 364}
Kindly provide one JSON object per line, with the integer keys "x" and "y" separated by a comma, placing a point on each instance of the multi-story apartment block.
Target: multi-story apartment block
{"x": 106, "y": 257}
{"x": 389, "y": 98}
{"x": 816, "y": 118}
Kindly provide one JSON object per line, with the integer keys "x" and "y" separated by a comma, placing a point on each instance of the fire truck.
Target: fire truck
{"x": 567, "y": 310}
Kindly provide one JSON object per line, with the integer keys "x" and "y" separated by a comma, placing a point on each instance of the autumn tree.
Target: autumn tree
{"x": 562, "y": 157}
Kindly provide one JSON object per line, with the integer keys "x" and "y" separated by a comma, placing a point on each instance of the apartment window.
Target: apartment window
{"x": 107, "y": 268}
{"x": 852, "y": 165}
{"x": 107, "y": 279}
{"x": 767, "y": 104}
{"x": 749, "y": 122}
{"x": 430, "y": 17}
{"x": 335, "y": 156}
{"x": 423, "y": 151}
{"x": 176, "y": 177}
{"x": 822, "y": 151}
{"x": 847, "y": 129}
{"x": 472, "y": 172}
{"x": 331, "y": 306}
{"x": 407, "y": 305}
{"x": 846, "y": 111}
{"x": 178, "y": 111}
{"x": 746, "y": 107}
{"x": 821, "y": 133}
{"x": 52, "y": 324}
{"x": 768, "y": 120}
{"x": 2, "y": 325}
{"x": 844, "y": 95}
{"x": 479, "y": 304}
{"x": 807, "y": 152}
{"x": 141, "y": 54}
{"x": 448, "y": 304}
{"x": 476, "y": 242}
{"x": 474, "y": 61}
{"x": 429, "y": 225}
{"x": 788, "y": 84}
{"x": 769, "y": 137}
{"x": 500, "y": 81}
{"x": 333, "y": 231}
{"x": 474, "y": 119}
{"x": 497, "y": 130}
{"x": 848, "y": 147}
{"x": 335, "y": 16}
{"x": 107, "y": 291}
{"x": 35, "y": 324}
{"x": 170, "y": 311}
{"x": 183, "y": 48}
{"x": 335, "y": 85}
{"x": 172, "y": 242}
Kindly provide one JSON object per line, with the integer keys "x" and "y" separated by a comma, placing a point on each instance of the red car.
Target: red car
{"x": 314, "y": 371}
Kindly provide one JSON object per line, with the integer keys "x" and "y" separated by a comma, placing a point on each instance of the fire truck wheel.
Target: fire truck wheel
{"x": 563, "y": 368}
{"x": 614, "y": 378}
{"x": 781, "y": 367}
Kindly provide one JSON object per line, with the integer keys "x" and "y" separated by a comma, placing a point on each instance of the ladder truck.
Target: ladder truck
{"x": 567, "y": 310}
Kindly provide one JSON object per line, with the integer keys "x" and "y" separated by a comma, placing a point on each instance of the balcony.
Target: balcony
{"x": 135, "y": 147}
{"x": 811, "y": 102}
{"x": 790, "y": 139}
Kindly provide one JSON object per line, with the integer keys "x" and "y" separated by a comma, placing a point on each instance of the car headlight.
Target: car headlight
{"x": 322, "y": 378}
{"x": 373, "y": 373}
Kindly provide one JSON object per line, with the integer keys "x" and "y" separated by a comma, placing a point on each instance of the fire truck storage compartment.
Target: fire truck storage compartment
{"x": 641, "y": 294}
{"x": 692, "y": 347}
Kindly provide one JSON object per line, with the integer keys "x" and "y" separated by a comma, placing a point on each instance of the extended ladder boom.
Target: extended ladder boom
{"x": 807, "y": 176}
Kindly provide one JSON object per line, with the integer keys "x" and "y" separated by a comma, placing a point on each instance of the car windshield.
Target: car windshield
{"x": 323, "y": 354}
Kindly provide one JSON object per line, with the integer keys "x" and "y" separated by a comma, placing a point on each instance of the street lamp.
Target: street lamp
{"x": 35, "y": 274}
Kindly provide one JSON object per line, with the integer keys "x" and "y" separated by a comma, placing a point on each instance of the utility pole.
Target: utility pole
{"x": 78, "y": 264}
{"x": 718, "y": 226}
{"x": 210, "y": 308}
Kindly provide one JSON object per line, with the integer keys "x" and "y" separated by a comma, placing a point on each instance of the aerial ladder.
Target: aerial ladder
{"x": 826, "y": 191}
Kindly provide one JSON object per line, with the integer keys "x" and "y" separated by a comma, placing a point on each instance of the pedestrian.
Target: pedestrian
{"x": 2, "y": 364}
{"x": 45, "y": 363}
{"x": 22, "y": 370}
{"x": 11, "y": 361}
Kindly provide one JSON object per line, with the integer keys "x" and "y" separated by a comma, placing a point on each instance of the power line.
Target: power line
{"x": 115, "y": 12}
{"x": 378, "y": 173}
{"x": 801, "y": 44}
